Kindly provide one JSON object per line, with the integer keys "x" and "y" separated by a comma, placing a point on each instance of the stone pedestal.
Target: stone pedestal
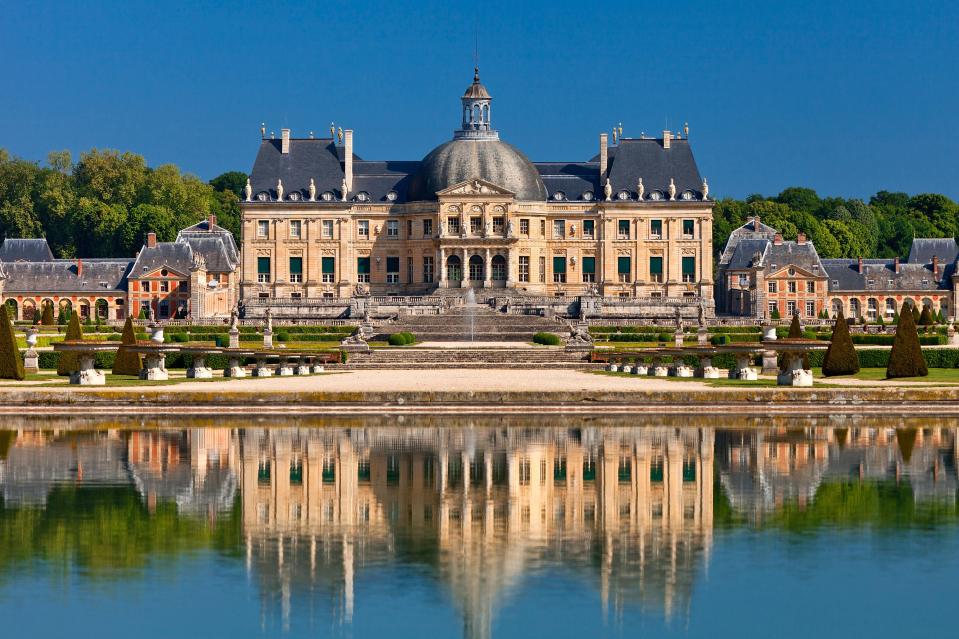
{"x": 627, "y": 368}
{"x": 682, "y": 371}
{"x": 267, "y": 338}
{"x": 302, "y": 367}
{"x": 234, "y": 338}
{"x": 154, "y": 367}
{"x": 641, "y": 369}
{"x": 769, "y": 333}
{"x": 318, "y": 368}
{"x": 283, "y": 368}
{"x": 87, "y": 375}
{"x": 743, "y": 369}
{"x": 199, "y": 369}
{"x": 702, "y": 336}
{"x": 659, "y": 370}
{"x": 770, "y": 363}
{"x": 678, "y": 338}
{"x": 795, "y": 374}
{"x": 709, "y": 372}
{"x": 613, "y": 368}
{"x": 31, "y": 361}
{"x": 261, "y": 370}
{"x": 233, "y": 368}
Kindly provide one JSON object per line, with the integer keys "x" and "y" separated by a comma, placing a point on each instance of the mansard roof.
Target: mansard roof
{"x": 25, "y": 250}
{"x": 790, "y": 253}
{"x": 319, "y": 159}
{"x": 924, "y": 249}
{"x": 881, "y": 275}
{"x": 88, "y": 276}
{"x": 649, "y": 159}
{"x": 212, "y": 240}
{"x": 753, "y": 229}
{"x": 746, "y": 250}
{"x": 175, "y": 256}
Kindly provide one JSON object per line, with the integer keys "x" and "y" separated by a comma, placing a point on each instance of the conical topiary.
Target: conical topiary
{"x": 68, "y": 361}
{"x": 126, "y": 362}
{"x": 915, "y": 313}
{"x": 795, "y": 330}
{"x": 925, "y": 318}
{"x": 46, "y": 318}
{"x": 841, "y": 357}
{"x": 906, "y": 359}
{"x": 11, "y": 363}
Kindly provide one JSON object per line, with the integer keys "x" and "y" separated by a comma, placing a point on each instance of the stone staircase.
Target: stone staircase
{"x": 474, "y": 323}
{"x": 515, "y": 358}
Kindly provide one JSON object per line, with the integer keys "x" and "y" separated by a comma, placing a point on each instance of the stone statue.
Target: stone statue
{"x": 672, "y": 189}
{"x": 269, "y": 321}
{"x": 312, "y": 190}
{"x": 608, "y": 190}
{"x": 702, "y": 313}
{"x": 705, "y": 189}
{"x": 343, "y": 189}
{"x": 234, "y": 320}
{"x": 152, "y": 316}
{"x": 679, "y": 319}
{"x": 366, "y": 315}
{"x": 248, "y": 190}
{"x": 279, "y": 190}
{"x": 640, "y": 189}
{"x": 509, "y": 229}
{"x": 489, "y": 228}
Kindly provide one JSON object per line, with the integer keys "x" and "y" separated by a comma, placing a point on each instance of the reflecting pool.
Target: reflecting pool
{"x": 478, "y": 526}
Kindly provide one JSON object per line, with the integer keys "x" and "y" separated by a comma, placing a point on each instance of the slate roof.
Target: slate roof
{"x": 753, "y": 229}
{"x": 203, "y": 230}
{"x": 573, "y": 179}
{"x": 844, "y": 275}
{"x": 25, "y": 250}
{"x": 378, "y": 178}
{"x": 60, "y": 276}
{"x": 743, "y": 256}
{"x": 803, "y": 255}
{"x": 923, "y": 250}
{"x": 176, "y": 256}
{"x": 214, "y": 253}
{"x": 647, "y": 158}
{"x": 317, "y": 158}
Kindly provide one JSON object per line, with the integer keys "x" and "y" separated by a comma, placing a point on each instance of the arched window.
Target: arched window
{"x": 29, "y": 310}
{"x": 872, "y": 308}
{"x": 890, "y": 307}
{"x": 454, "y": 268}
{"x": 486, "y": 114}
{"x": 855, "y": 309}
{"x": 12, "y": 310}
{"x": 84, "y": 309}
{"x": 476, "y": 268}
{"x": 837, "y": 306}
{"x": 66, "y": 305}
{"x": 499, "y": 268}
{"x": 927, "y": 303}
{"x": 103, "y": 309}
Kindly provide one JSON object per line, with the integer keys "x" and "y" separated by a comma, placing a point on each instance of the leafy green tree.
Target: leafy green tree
{"x": 69, "y": 363}
{"x": 232, "y": 181}
{"x": 841, "y": 357}
{"x": 799, "y": 199}
{"x": 11, "y": 363}
{"x": 906, "y": 358}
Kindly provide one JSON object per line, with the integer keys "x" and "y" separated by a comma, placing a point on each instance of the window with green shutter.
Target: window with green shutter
{"x": 262, "y": 269}
{"x": 296, "y": 270}
{"x": 689, "y": 269}
{"x": 363, "y": 269}
{"x": 589, "y": 265}
{"x": 328, "y": 265}
{"x": 559, "y": 269}
{"x": 656, "y": 268}
{"x": 624, "y": 268}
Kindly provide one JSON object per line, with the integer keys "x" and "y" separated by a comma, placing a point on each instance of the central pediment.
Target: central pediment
{"x": 475, "y": 186}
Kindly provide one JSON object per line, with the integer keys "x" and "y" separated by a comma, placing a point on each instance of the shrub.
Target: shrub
{"x": 46, "y": 318}
{"x": 841, "y": 358}
{"x": 125, "y": 362}
{"x": 401, "y": 339}
{"x": 925, "y": 318}
{"x": 906, "y": 359}
{"x": 114, "y": 337}
{"x": 719, "y": 340}
{"x": 11, "y": 363}
{"x": 283, "y": 336}
{"x": 180, "y": 338}
{"x": 546, "y": 339}
{"x": 665, "y": 337}
{"x": 68, "y": 361}
{"x": 775, "y": 314}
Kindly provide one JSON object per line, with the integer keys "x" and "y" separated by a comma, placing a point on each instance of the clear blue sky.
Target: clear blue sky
{"x": 844, "y": 97}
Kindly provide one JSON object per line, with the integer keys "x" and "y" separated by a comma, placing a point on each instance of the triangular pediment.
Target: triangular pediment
{"x": 800, "y": 271}
{"x": 475, "y": 186}
{"x": 158, "y": 273}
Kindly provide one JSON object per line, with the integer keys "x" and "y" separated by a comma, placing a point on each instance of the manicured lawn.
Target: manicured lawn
{"x": 944, "y": 375}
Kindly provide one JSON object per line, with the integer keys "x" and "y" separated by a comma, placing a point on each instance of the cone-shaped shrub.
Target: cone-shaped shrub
{"x": 11, "y": 364}
{"x": 126, "y": 362}
{"x": 915, "y": 314}
{"x": 795, "y": 330}
{"x": 925, "y": 318}
{"x": 69, "y": 362}
{"x": 841, "y": 357}
{"x": 46, "y": 318}
{"x": 906, "y": 359}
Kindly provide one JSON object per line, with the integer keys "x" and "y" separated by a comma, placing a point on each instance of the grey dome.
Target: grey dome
{"x": 492, "y": 160}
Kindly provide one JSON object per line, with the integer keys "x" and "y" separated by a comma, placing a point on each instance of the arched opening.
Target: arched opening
{"x": 84, "y": 309}
{"x": 454, "y": 268}
{"x": 855, "y": 309}
{"x": 499, "y": 268}
{"x": 13, "y": 309}
{"x": 927, "y": 303}
{"x": 29, "y": 310}
{"x": 872, "y": 309}
{"x": 890, "y": 308}
{"x": 486, "y": 114}
{"x": 476, "y": 268}
{"x": 103, "y": 309}
{"x": 66, "y": 305}
{"x": 837, "y": 307}
{"x": 476, "y": 116}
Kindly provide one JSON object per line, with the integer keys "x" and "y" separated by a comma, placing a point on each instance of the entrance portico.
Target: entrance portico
{"x": 475, "y": 265}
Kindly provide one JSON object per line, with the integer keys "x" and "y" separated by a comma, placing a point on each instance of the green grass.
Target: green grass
{"x": 943, "y": 375}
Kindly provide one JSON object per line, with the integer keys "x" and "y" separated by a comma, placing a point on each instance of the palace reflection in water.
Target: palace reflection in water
{"x": 483, "y": 505}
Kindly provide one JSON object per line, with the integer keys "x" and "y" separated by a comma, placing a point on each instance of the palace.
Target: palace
{"x": 320, "y": 223}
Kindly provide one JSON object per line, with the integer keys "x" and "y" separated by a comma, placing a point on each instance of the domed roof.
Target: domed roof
{"x": 476, "y": 90}
{"x": 492, "y": 160}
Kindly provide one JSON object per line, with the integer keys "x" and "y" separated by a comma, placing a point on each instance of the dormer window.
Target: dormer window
{"x": 362, "y": 196}
{"x": 870, "y": 282}
{"x": 588, "y": 196}
{"x": 656, "y": 195}
{"x": 686, "y": 195}
{"x": 559, "y": 196}
{"x": 263, "y": 196}
{"x": 391, "y": 196}
{"x": 327, "y": 196}
{"x": 295, "y": 196}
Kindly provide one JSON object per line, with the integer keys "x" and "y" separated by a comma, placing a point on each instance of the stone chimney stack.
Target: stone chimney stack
{"x": 151, "y": 240}
{"x": 860, "y": 265}
{"x": 757, "y": 224}
{"x": 348, "y": 158}
{"x": 667, "y": 138}
{"x": 801, "y": 238}
{"x": 935, "y": 266}
{"x": 895, "y": 264}
{"x": 285, "y": 141}
{"x": 79, "y": 267}
{"x": 778, "y": 239}
{"x": 211, "y": 222}
{"x": 603, "y": 156}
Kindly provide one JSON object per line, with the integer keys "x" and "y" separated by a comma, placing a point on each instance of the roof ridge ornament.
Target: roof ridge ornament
{"x": 672, "y": 189}
{"x": 248, "y": 190}
{"x": 705, "y": 190}
{"x": 640, "y": 189}
{"x": 608, "y": 190}
{"x": 279, "y": 190}
{"x": 312, "y": 190}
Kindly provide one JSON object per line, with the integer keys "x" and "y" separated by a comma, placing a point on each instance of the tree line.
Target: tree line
{"x": 104, "y": 203}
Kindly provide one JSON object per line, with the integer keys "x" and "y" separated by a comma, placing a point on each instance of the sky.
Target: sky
{"x": 848, "y": 98}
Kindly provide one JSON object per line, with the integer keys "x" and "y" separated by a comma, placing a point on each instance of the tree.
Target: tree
{"x": 37, "y": 316}
{"x": 11, "y": 363}
{"x": 47, "y": 317}
{"x": 233, "y": 181}
{"x": 915, "y": 314}
{"x": 795, "y": 330}
{"x": 775, "y": 314}
{"x": 906, "y": 358}
{"x": 126, "y": 362}
{"x": 69, "y": 362}
{"x": 841, "y": 357}
{"x": 925, "y": 318}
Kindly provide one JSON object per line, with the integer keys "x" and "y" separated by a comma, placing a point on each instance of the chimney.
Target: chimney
{"x": 935, "y": 266}
{"x": 348, "y": 158}
{"x": 79, "y": 267}
{"x": 285, "y": 143}
{"x": 801, "y": 238}
{"x": 895, "y": 264}
{"x": 860, "y": 265}
{"x": 757, "y": 225}
{"x": 603, "y": 156}
{"x": 778, "y": 239}
{"x": 667, "y": 138}
{"x": 151, "y": 240}
{"x": 211, "y": 222}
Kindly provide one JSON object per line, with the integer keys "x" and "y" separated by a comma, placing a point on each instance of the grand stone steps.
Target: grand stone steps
{"x": 477, "y": 323}
{"x": 516, "y": 358}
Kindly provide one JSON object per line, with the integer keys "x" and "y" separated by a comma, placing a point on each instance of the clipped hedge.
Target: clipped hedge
{"x": 401, "y": 339}
{"x": 547, "y": 339}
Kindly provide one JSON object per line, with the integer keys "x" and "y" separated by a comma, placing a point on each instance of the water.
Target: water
{"x": 697, "y": 526}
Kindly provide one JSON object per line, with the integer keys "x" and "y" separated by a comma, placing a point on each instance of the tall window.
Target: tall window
{"x": 689, "y": 269}
{"x": 559, "y": 229}
{"x": 589, "y": 229}
{"x": 791, "y": 308}
{"x": 409, "y": 229}
{"x": 427, "y": 269}
{"x": 363, "y": 229}
{"x": 811, "y": 309}
{"x": 773, "y": 307}
{"x": 476, "y": 225}
{"x": 453, "y": 225}
{"x": 427, "y": 228}
{"x": 772, "y": 287}
{"x": 328, "y": 265}
{"x": 476, "y": 268}
{"x": 589, "y": 269}
{"x": 656, "y": 268}
{"x": 811, "y": 286}
{"x": 363, "y": 269}
{"x": 498, "y": 268}
{"x": 559, "y": 269}
{"x": 791, "y": 286}
{"x": 622, "y": 232}
{"x": 263, "y": 229}
{"x": 392, "y": 270}
{"x": 499, "y": 224}
{"x": 624, "y": 268}
{"x": 392, "y": 228}
{"x": 689, "y": 229}
{"x": 296, "y": 270}
{"x": 542, "y": 228}
{"x": 296, "y": 229}
{"x": 656, "y": 229}
{"x": 263, "y": 270}
{"x": 327, "y": 229}
{"x": 524, "y": 227}
{"x": 409, "y": 269}
{"x": 524, "y": 268}
{"x": 542, "y": 268}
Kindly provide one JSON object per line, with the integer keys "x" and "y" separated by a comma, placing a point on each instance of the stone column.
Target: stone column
{"x": 465, "y": 281}
{"x": 509, "y": 269}
{"x": 442, "y": 268}
{"x": 488, "y": 271}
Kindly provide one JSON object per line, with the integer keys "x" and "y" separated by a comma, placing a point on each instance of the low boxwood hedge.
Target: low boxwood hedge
{"x": 547, "y": 339}
{"x": 401, "y": 339}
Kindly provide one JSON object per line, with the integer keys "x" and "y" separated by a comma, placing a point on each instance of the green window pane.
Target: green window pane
{"x": 559, "y": 264}
{"x": 588, "y": 227}
{"x": 362, "y": 265}
{"x": 623, "y": 265}
{"x": 688, "y": 227}
{"x": 589, "y": 265}
{"x": 656, "y": 265}
{"x": 393, "y": 265}
{"x": 329, "y": 264}
{"x": 689, "y": 266}
{"x": 296, "y": 265}
{"x": 262, "y": 265}
{"x": 656, "y": 227}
